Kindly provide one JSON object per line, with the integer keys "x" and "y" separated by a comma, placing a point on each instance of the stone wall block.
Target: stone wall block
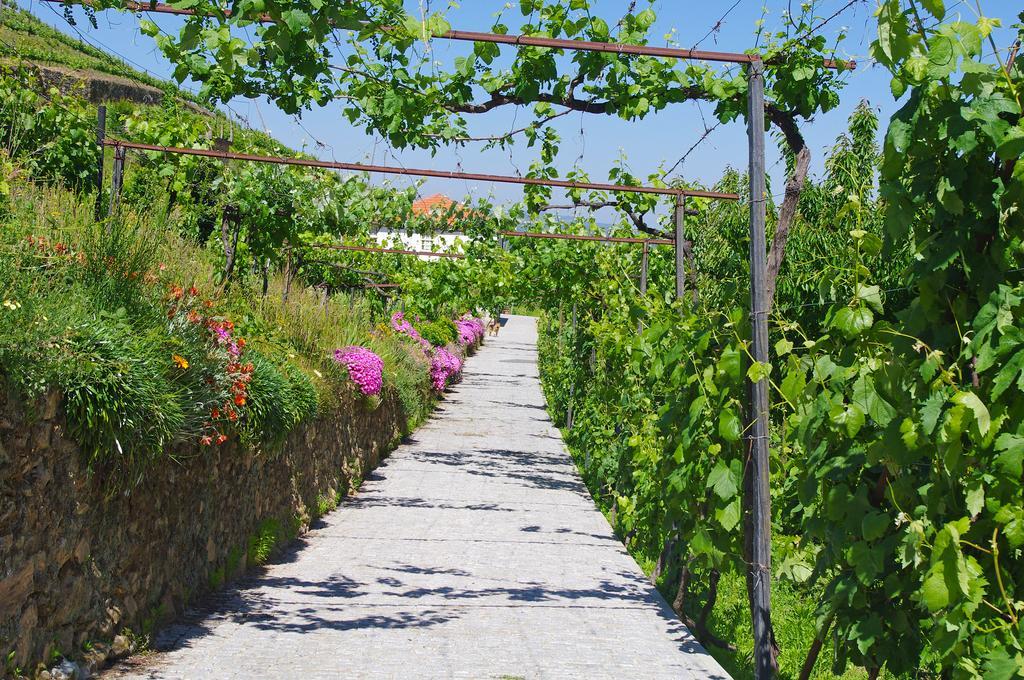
{"x": 79, "y": 564}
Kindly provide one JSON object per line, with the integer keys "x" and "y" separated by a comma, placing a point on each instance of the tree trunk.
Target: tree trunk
{"x": 812, "y": 653}
{"x": 703, "y": 634}
{"x": 794, "y": 188}
{"x": 230, "y": 229}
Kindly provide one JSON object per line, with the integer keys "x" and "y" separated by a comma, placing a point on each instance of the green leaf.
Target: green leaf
{"x": 758, "y": 371}
{"x": 852, "y": 322}
{"x": 936, "y": 7}
{"x": 981, "y": 414}
{"x": 851, "y": 417}
{"x": 721, "y": 480}
{"x": 871, "y": 295}
{"x": 729, "y": 426}
{"x": 935, "y": 591}
{"x": 975, "y": 498}
{"x": 873, "y": 525}
{"x": 729, "y": 516}
{"x": 1011, "y": 457}
{"x": 783, "y": 347}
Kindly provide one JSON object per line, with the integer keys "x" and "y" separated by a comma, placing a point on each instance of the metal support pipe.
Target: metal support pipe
{"x": 581, "y": 237}
{"x": 644, "y": 264}
{"x": 101, "y": 134}
{"x": 643, "y": 270}
{"x": 511, "y": 39}
{"x": 680, "y": 239}
{"x": 757, "y": 430}
{"x": 117, "y": 179}
{"x": 423, "y": 172}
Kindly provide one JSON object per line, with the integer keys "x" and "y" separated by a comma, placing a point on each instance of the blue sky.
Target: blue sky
{"x": 592, "y": 141}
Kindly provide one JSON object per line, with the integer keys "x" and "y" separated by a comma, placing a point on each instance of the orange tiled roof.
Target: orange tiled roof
{"x": 432, "y": 204}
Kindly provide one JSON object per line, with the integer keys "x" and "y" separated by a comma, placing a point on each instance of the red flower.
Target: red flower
{"x": 193, "y": 291}
{"x": 221, "y": 438}
{"x": 215, "y": 413}
{"x": 177, "y": 292}
{"x": 206, "y": 440}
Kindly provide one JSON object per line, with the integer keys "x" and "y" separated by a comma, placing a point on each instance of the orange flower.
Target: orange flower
{"x": 177, "y": 292}
{"x": 239, "y": 400}
{"x": 232, "y": 415}
{"x": 207, "y": 304}
{"x": 181, "y": 361}
{"x": 215, "y": 413}
{"x": 206, "y": 440}
{"x": 193, "y": 291}
{"x": 193, "y": 316}
{"x": 221, "y": 438}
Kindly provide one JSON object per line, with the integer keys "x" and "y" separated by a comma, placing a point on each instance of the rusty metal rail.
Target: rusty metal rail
{"x": 422, "y": 172}
{"x": 580, "y": 237}
{"x": 517, "y": 40}
{"x": 393, "y": 251}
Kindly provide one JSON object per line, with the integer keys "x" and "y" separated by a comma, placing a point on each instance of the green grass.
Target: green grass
{"x": 91, "y": 316}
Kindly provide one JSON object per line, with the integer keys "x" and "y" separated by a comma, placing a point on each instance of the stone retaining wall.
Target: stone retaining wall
{"x": 78, "y": 567}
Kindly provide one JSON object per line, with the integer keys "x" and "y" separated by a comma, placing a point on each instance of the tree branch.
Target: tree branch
{"x": 794, "y": 188}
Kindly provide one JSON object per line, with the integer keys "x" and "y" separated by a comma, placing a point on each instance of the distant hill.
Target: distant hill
{"x": 65, "y": 62}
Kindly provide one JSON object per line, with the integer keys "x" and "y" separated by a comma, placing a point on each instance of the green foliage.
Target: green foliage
{"x": 438, "y": 333}
{"x": 28, "y": 122}
{"x": 261, "y": 544}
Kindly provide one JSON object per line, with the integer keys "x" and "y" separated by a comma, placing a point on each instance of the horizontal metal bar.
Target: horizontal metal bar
{"x": 442, "y": 174}
{"x": 581, "y": 237}
{"x": 525, "y": 40}
{"x": 392, "y": 251}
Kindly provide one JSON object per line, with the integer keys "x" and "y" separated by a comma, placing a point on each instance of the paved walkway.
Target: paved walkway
{"x": 473, "y": 552}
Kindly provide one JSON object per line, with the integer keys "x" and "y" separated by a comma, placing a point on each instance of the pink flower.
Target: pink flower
{"x": 471, "y": 330}
{"x": 365, "y": 368}
{"x": 445, "y": 368}
{"x": 399, "y": 323}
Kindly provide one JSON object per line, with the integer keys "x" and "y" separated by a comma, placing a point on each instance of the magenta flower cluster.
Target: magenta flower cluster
{"x": 471, "y": 330}
{"x": 365, "y": 368}
{"x": 401, "y": 325}
{"x": 445, "y": 368}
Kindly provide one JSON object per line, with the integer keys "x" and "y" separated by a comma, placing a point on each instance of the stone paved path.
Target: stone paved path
{"x": 474, "y": 551}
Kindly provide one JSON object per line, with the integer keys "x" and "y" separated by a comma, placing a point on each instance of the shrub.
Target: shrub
{"x": 438, "y": 333}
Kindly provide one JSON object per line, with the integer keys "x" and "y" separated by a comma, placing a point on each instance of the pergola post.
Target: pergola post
{"x": 680, "y": 237}
{"x": 101, "y": 135}
{"x": 757, "y": 429}
{"x": 117, "y": 179}
{"x": 643, "y": 269}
